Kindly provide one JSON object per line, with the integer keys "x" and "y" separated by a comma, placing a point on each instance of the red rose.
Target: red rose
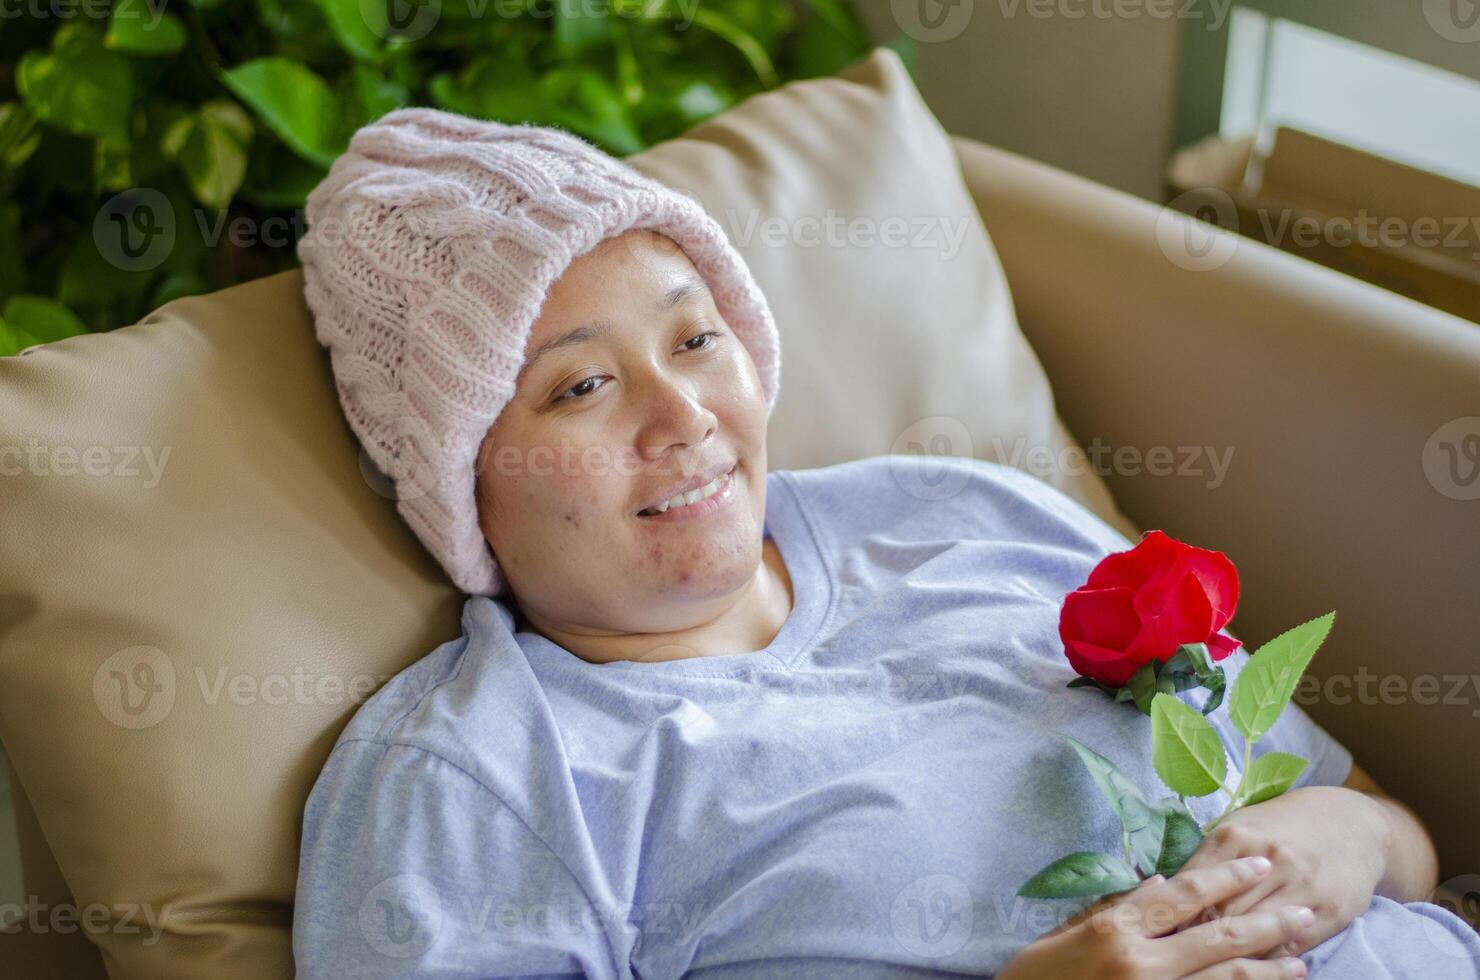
{"x": 1141, "y": 605}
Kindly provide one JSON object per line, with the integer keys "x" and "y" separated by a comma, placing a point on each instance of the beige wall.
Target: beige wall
{"x": 1091, "y": 95}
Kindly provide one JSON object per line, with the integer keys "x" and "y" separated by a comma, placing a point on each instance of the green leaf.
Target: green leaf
{"x": 1268, "y": 680}
{"x": 139, "y": 27}
{"x": 88, "y": 279}
{"x": 360, "y": 27}
{"x": 42, "y": 318}
{"x": 14, "y": 341}
{"x": 587, "y": 105}
{"x": 1215, "y": 694}
{"x": 79, "y": 85}
{"x": 744, "y": 42}
{"x": 1080, "y": 874}
{"x": 295, "y": 103}
{"x": 1141, "y": 821}
{"x": 211, "y": 148}
{"x": 111, "y": 164}
{"x": 1186, "y": 750}
{"x": 502, "y": 89}
{"x": 1179, "y": 840}
{"x": 1146, "y": 682}
{"x": 825, "y": 45}
{"x": 1270, "y": 775}
{"x": 579, "y": 30}
{"x": 377, "y": 95}
{"x": 19, "y": 136}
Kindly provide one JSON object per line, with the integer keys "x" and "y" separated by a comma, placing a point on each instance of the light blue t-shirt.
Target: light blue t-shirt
{"x": 862, "y": 798}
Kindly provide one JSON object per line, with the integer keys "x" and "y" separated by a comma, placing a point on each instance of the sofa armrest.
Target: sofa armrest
{"x": 1335, "y": 399}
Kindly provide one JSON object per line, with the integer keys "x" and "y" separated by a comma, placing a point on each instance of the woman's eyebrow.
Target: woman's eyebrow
{"x": 686, "y": 287}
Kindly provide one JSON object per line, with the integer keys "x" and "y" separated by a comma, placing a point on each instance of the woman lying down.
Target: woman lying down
{"x": 708, "y": 719}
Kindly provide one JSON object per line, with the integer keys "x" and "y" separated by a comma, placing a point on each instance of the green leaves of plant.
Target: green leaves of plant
{"x": 295, "y": 103}
{"x": 1268, "y": 680}
{"x": 211, "y": 147}
{"x": 1137, "y": 817}
{"x": 1179, "y": 840}
{"x": 579, "y": 30}
{"x": 243, "y": 106}
{"x": 1146, "y": 683}
{"x": 139, "y": 27}
{"x": 1186, "y": 750}
{"x": 79, "y": 85}
{"x": 359, "y": 27}
{"x": 1145, "y": 824}
{"x": 1160, "y": 836}
{"x": 1270, "y": 775}
{"x": 1189, "y": 756}
{"x": 576, "y": 98}
{"x": 1081, "y": 874}
{"x": 29, "y": 320}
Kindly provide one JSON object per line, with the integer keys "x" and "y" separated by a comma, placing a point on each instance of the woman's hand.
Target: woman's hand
{"x": 1152, "y": 933}
{"x": 1328, "y": 847}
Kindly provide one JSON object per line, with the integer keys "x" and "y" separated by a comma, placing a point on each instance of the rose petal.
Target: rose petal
{"x": 1107, "y": 666}
{"x": 1219, "y": 579}
{"x": 1133, "y": 567}
{"x": 1221, "y": 645}
{"x": 1105, "y": 617}
{"x": 1167, "y": 622}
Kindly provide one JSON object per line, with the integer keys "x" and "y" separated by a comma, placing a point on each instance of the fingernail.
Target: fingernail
{"x": 1295, "y": 967}
{"x": 1258, "y": 864}
{"x": 1304, "y": 916}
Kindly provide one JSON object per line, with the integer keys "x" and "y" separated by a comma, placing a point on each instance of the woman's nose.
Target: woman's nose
{"x": 674, "y": 414}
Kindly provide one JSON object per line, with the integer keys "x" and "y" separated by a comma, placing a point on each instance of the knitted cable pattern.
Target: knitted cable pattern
{"x": 430, "y": 247}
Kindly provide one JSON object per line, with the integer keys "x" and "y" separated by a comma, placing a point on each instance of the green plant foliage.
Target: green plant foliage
{"x": 1186, "y": 751}
{"x": 224, "y": 114}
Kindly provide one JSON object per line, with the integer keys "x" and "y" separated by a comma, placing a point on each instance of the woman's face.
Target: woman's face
{"x": 651, "y": 390}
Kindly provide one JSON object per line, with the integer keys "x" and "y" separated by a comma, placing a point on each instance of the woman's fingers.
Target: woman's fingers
{"x": 1258, "y": 895}
{"x": 1289, "y": 968}
{"x": 1164, "y": 906}
{"x": 1250, "y": 935}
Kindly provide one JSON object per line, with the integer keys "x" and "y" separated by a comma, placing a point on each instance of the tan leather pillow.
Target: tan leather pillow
{"x": 897, "y": 327}
{"x": 198, "y": 585}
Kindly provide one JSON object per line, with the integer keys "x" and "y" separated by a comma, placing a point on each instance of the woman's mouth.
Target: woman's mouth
{"x": 696, "y": 503}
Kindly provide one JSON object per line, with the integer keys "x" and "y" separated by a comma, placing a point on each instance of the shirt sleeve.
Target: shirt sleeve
{"x": 1294, "y": 732}
{"x": 411, "y": 867}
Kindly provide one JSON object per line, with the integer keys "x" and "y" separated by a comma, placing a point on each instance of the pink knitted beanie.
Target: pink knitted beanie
{"x": 430, "y": 247}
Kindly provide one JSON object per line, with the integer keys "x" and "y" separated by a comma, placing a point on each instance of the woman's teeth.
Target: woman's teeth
{"x": 692, "y": 497}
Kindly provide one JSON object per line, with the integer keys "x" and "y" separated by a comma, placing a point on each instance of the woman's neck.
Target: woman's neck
{"x": 750, "y": 623}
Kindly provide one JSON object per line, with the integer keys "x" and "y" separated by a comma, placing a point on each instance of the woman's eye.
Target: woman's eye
{"x": 576, "y": 389}
{"x": 711, "y": 333}
{"x": 580, "y": 389}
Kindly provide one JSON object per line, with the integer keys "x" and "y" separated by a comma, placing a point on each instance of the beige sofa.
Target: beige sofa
{"x": 1328, "y": 391}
